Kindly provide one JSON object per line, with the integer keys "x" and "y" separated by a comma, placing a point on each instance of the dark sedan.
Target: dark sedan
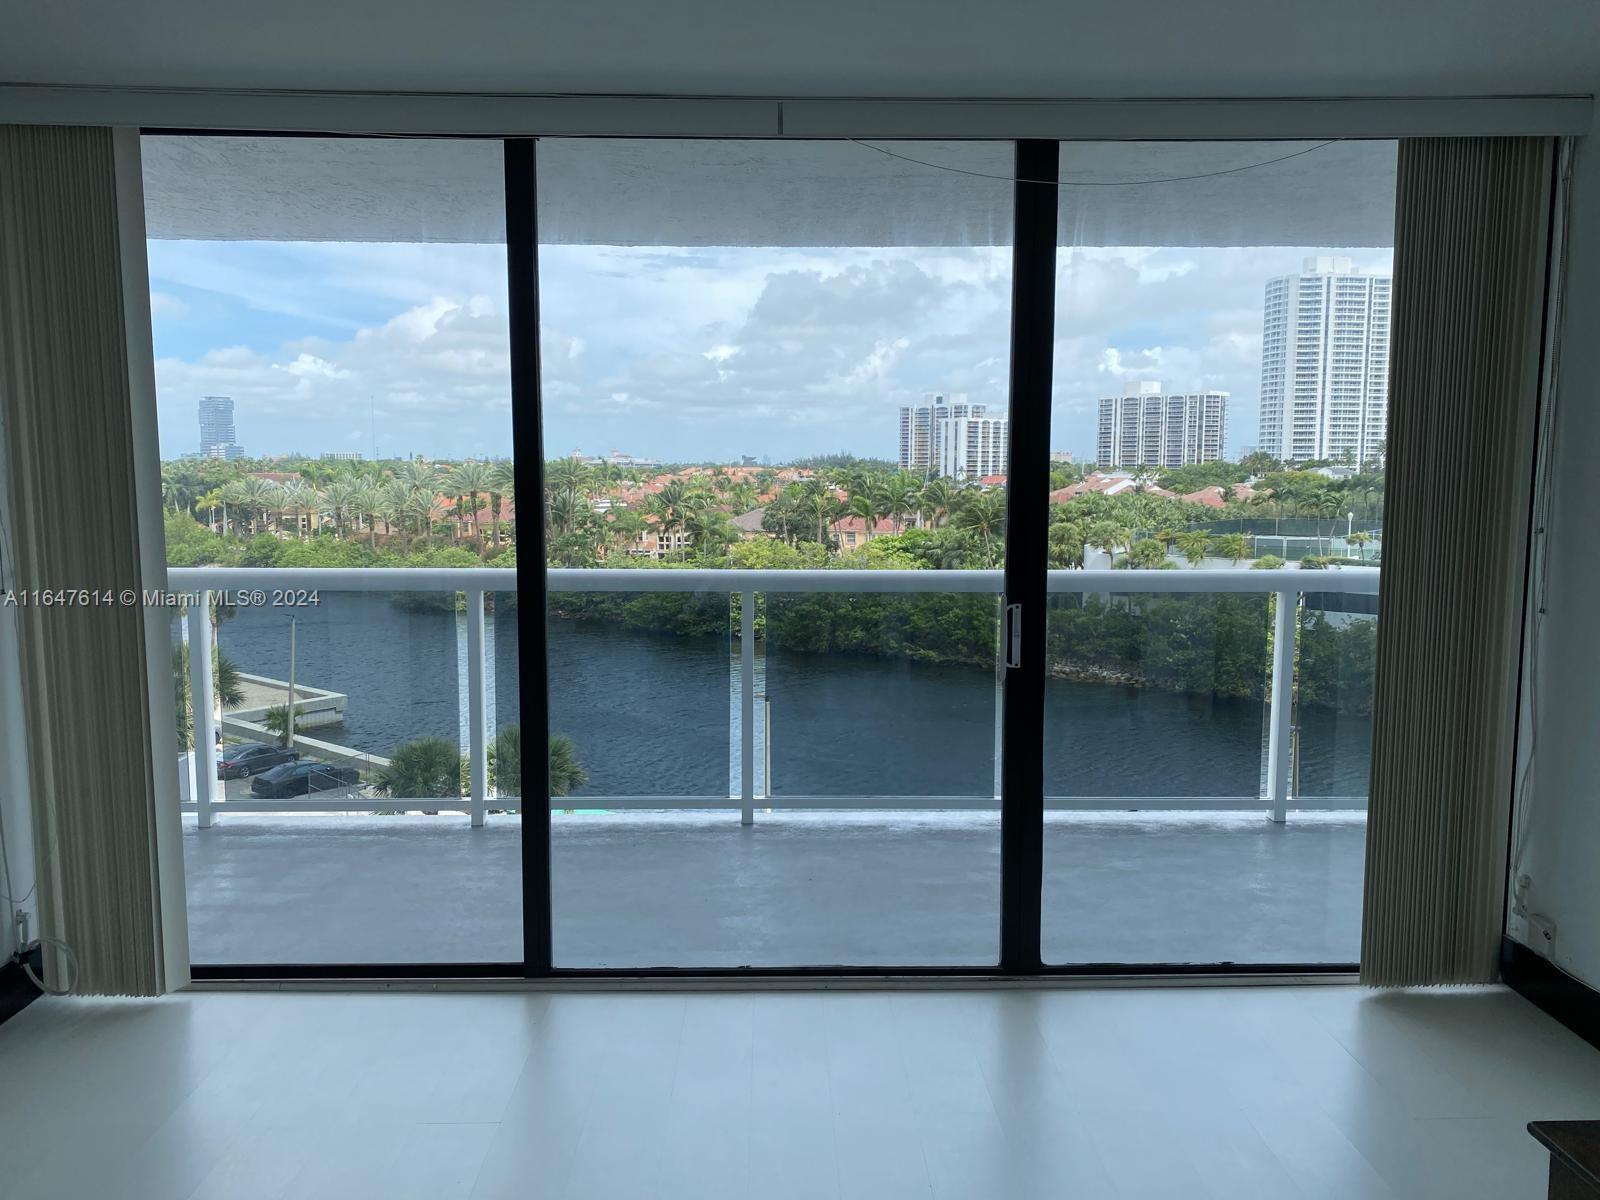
{"x": 252, "y": 758}
{"x": 302, "y": 778}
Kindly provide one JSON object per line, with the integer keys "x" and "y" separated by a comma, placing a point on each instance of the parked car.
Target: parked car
{"x": 302, "y": 778}
{"x": 252, "y": 758}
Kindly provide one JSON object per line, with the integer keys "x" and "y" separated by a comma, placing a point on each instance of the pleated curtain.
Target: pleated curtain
{"x": 64, "y": 401}
{"x": 1471, "y": 234}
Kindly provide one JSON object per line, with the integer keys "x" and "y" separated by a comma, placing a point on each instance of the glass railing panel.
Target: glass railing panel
{"x": 1155, "y": 696}
{"x": 641, "y": 828}
{"x": 504, "y": 702}
{"x": 882, "y": 828}
{"x": 1157, "y": 845}
{"x": 1338, "y": 646}
{"x": 342, "y": 843}
{"x": 909, "y": 682}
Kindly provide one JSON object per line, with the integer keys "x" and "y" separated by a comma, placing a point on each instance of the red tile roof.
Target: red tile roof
{"x": 859, "y": 525}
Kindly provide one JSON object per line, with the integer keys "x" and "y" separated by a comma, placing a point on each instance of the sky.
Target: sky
{"x": 678, "y": 354}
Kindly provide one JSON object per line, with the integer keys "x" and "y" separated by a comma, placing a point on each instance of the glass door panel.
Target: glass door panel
{"x": 787, "y": 361}
{"x": 1218, "y": 423}
{"x": 333, "y": 391}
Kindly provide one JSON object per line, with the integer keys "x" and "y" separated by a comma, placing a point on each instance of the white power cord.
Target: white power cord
{"x": 72, "y": 961}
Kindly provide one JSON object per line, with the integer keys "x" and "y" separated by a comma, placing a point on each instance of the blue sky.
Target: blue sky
{"x": 703, "y": 353}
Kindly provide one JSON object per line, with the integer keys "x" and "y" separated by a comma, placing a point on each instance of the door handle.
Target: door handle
{"x": 1013, "y": 635}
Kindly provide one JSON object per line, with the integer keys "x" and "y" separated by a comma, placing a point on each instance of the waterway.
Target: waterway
{"x": 656, "y": 715}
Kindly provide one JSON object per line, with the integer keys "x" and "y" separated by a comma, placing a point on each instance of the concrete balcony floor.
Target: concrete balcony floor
{"x": 695, "y": 889}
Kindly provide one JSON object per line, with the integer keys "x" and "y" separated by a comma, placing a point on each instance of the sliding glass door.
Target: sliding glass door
{"x": 911, "y": 564}
{"x": 334, "y": 403}
{"x": 1220, "y": 395}
{"x": 775, "y": 413}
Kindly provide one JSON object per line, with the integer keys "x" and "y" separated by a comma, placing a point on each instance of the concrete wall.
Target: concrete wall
{"x": 1558, "y": 824}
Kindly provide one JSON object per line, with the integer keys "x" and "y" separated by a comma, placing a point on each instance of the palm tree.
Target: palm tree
{"x": 566, "y": 772}
{"x": 297, "y": 497}
{"x": 419, "y": 508}
{"x": 566, "y": 510}
{"x": 237, "y": 493}
{"x": 984, "y": 514}
{"x": 227, "y": 689}
{"x": 1359, "y": 540}
{"x": 1147, "y": 553}
{"x": 1233, "y": 546}
{"x": 390, "y": 508}
{"x": 933, "y": 504}
{"x": 865, "y": 506}
{"x": 566, "y": 475}
{"x": 1066, "y": 544}
{"x": 260, "y": 496}
{"x": 423, "y": 768}
{"x": 1193, "y": 544}
{"x": 623, "y": 527}
{"x": 502, "y": 484}
{"x": 671, "y": 506}
{"x": 366, "y": 500}
{"x": 341, "y": 499}
{"x": 901, "y": 495}
{"x": 505, "y": 764}
{"x": 818, "y": 503}
{"x": 472, "y": 480}
{"x": 710, "y": 531}
{"x": 418, "y": 475}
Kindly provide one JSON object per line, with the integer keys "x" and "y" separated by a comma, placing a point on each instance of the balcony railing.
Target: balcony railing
{"x": 1287, "y": 584}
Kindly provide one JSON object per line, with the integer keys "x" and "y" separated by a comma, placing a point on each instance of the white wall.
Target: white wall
{"x": 1559, "y": 824}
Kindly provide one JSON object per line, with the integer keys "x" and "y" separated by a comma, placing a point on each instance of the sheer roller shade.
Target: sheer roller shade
{"x": 64, "y": 400}
{"x": 1471, "y": 230}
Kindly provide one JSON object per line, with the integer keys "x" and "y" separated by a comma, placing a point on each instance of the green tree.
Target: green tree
{"x": 1147, "y": 553}
{"x": 982, "y": 514}
{"x": 226, "y": 687}
{"x": 277, "y": 721}
{"x": 567, "y": 774}
{"x": 472, "y": 480}
{"x": 423, "y": 768}
{"x": 502, "y": 486}
{"x": 1232, "y": 546}
{"x": 1193, "y": 544}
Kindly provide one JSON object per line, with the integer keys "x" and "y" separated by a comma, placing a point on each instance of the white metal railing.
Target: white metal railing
{"x": 263, "y": 586}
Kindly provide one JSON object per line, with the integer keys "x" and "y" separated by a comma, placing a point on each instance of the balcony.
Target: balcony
{"x": 777, "y": 834}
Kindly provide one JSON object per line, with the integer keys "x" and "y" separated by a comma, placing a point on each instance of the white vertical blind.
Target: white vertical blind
{"x": 64, "y": 398}
{"x": 1471, "y": 230}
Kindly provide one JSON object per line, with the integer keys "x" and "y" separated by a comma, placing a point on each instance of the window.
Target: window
{"x": 333, "y": 392}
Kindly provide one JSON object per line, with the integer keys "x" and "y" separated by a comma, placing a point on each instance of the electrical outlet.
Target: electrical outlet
{"x": 1542, "y": 929}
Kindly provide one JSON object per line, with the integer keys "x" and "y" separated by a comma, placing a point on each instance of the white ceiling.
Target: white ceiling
{"x": 1010, "y": 48}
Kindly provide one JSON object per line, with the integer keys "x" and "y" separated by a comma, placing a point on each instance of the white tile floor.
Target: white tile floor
{"x": 995, "y": 1095}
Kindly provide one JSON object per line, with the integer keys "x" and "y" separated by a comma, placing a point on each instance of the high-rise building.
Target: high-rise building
{"x": 922, "y": 426}
{"x": 1325, "y": 363}
{"x": 971, "y": 447}
{"x": 217, "y": 438}
{"x": 1149, "y": 427}
{"x": 948, "y": 435}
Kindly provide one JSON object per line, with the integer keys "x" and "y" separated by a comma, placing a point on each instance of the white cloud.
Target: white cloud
{"x": 694, "y": 352}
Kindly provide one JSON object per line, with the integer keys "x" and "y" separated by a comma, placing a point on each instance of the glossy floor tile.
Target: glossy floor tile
{"x": 1161, "y": 1092}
